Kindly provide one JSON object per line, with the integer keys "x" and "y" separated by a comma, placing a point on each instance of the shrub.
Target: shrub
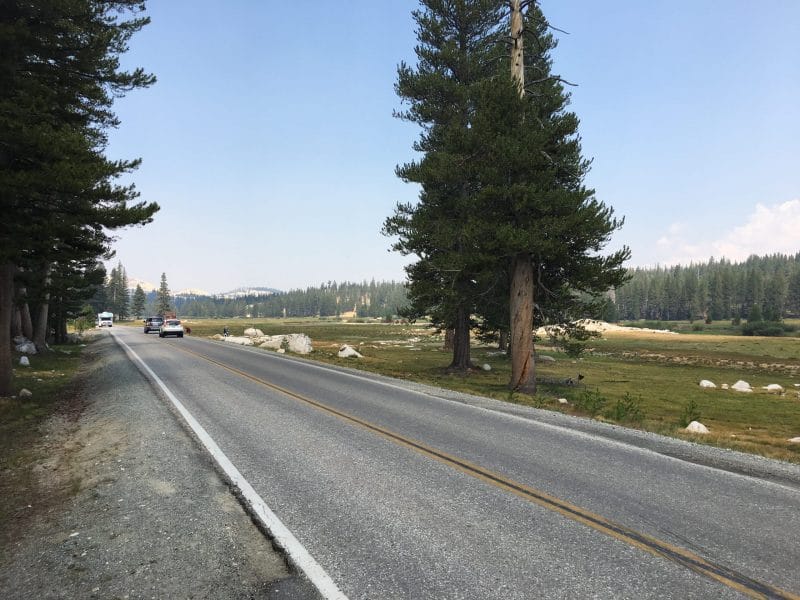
{"x": 626, "y": 410}
{"x": 82, "y": 324}
{"x": 691, "y": 412}
{"x": 591, "y": 402}
{"x": 767, "y": 328}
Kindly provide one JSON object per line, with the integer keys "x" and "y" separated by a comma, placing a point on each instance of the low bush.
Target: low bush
{"x": 591, "y": 402}
{"x": 626, "y": 410}
{"x": 691, "y": 412}
{"x": 767, "y": 328}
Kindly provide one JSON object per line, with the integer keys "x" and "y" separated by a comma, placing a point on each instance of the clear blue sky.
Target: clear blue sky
{"x": 270, "y": 145}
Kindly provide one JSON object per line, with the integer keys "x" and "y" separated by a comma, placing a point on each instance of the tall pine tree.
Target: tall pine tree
{"x": 59, "y": 74}
{"x": 138, "y": 302}
{"x": 163, "y": 297}
{"x": 540, "y": 223}
{"x": 458, "y": 49}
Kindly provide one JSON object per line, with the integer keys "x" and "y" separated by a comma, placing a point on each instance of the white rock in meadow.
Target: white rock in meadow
{"x": 707, "y": 384}
{"x": 794, "y": 440}
{"x": 24, "y": 361}
{"x": 242, "y": 341}
{"x": 741, "y": 386}
{"x": 252, "y": 332}
{"x": 563, "y": 401}
{"x": 348, "y": 352}
{"x": 724, "y": 386}
{"x": 773, "y": 388}
{"x": 272, "y": 342}
{"x": 299, "y": 343}
{"x": 25, "y": 393}
{"x": 696, "y": 427}
{"x": 545, "y": 358}
{"x": 486, "y": 367}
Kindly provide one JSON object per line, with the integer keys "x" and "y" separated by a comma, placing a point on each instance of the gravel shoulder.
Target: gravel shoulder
{"x": 127, "y": 505}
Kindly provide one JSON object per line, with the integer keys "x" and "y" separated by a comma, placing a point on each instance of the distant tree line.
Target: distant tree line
{"x": 763, "y": 288}
{"x": 371, "y": 299}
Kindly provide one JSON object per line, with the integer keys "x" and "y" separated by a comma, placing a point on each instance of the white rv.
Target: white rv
{"x": 105, "y": 319}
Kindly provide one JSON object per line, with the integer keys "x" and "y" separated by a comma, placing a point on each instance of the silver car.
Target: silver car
{"x": 170, "y": 327}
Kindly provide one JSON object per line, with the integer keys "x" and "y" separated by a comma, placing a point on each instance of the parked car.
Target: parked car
{"x": 171, "y": 327}
{"x": 153, "y": 324}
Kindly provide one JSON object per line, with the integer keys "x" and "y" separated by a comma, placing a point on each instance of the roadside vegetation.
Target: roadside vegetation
{"x": 648, "y": 381}
{"x": 51, "y": 379}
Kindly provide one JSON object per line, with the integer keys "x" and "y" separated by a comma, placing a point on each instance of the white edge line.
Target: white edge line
{"x": 296, "y": 552}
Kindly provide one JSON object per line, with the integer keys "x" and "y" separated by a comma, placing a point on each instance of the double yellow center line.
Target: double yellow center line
{"x": 655, "y": 546}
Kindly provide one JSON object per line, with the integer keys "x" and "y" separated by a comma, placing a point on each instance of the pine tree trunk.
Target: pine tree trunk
{"x": 461, "y": 349}
{"x": 449, "y": 334}
{"x": 22, "y": 313}
{"x": 59, "y": 322}
{"x": 16, "y": 321}
{"x": 27, "y": 323}
{"x": 40, "y": 324}
{"x": 502, "y": 343}
{"x": 7, "y": 270}
{"x": 521, "y": 303}
{"x": 517, "y": 55}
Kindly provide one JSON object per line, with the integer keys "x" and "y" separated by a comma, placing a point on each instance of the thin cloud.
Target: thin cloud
{"x": 769, "y": 230}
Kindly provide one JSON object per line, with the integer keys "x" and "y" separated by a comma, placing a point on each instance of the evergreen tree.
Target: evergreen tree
{"x": 117, "y": 294}
{"x": 540, "y": 223}
{"x": 457, "y": 50}
{"x": 138, "y": 302}
{"x": 163, "y": 297}
{"x": 59, "y": 75}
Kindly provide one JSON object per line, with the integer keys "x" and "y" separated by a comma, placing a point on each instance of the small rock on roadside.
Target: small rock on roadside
{"x": 24, "y": 361}
{"x": 696, "y": 427}
{"x": 348, "y": 352}
{"x": 705, "y": 383}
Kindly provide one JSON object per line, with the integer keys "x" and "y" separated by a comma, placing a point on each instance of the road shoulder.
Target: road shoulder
{"x": 147, "y": 514}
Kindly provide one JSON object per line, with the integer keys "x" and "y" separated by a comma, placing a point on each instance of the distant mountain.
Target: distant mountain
{"x": 249, "y": 291}
{"x": 147, "y": 287}
{"x": 240, "y": 292}
{"x": 192, "y": 292}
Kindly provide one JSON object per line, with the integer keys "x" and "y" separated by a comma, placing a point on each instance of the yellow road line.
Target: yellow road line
{"x": 655, "y": 546}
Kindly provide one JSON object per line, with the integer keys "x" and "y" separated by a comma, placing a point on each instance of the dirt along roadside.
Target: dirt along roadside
{"x": 125, "y": 504}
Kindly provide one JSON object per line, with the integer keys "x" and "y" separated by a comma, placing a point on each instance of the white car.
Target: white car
{"x": 170, "y": 327}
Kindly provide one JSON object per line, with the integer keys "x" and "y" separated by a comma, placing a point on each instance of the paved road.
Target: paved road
{"x": 403, "y": 494}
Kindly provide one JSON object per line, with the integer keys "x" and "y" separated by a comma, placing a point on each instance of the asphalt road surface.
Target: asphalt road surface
{"x": 400, "y": 493}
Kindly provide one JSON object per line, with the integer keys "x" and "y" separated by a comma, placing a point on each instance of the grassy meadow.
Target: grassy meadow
{"x": 648, "y": 381}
